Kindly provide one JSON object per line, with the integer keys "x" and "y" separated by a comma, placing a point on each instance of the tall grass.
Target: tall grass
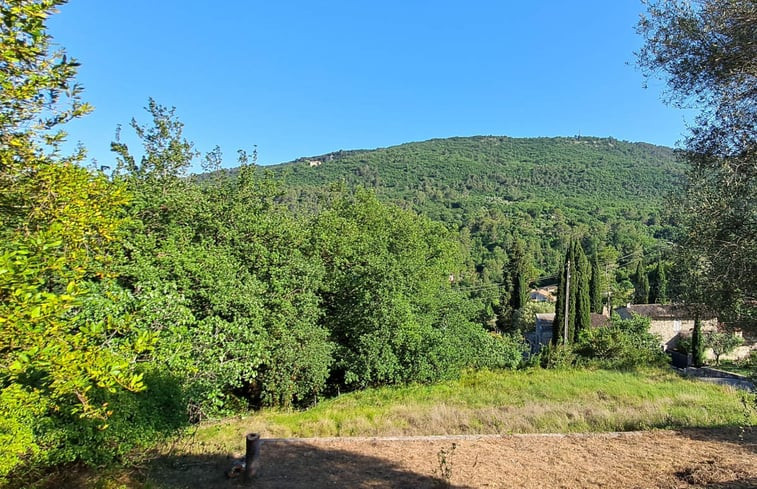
{"x": 529, "y": 401}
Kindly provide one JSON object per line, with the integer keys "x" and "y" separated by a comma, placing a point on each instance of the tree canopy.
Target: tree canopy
{"x": 706, "y": 51}
{"x": 58, "y": 222}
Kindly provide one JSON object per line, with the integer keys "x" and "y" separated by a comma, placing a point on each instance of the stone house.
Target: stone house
{"x": 543, "y": 294}
{"x": 669, "y": 321}
{"x": 542, "y": 334}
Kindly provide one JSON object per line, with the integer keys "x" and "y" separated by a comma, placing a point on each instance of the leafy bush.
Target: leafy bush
{"x": 684, "y": 344}
{"x": 624, "y": 344}
{"x": 557, "y": 356}
{"x": 524, "y": 318}
{"x": 141, "y": 420}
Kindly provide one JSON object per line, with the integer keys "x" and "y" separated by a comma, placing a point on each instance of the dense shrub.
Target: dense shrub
{"x": 623, "y": 344}
{"x": 684, "y": 343}
{"x": 557, "y": 356}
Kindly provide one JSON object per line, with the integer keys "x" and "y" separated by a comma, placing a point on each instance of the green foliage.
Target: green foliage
{"x": 57, "y": 225}
{"x": 518, "y": 273}
{"x": 658, "y": 284}
{"x": 138, "y": 422}
{"x": 499, "y": 190}
{"x": 641, "y": 285}
{"x": 705, "y": 52}
{"x": 557, "y": 356}
{"x": 387, "y": 298}
{"x": 524, "y": 319}
{"x": 595, "y": 286}
{"x": 38, "y": 89}
{"x": 20, "y": 412}
{"x": 627, "y": 343}
{"x": 516, "y": 276}
{"x": 497, "y": 351}
{"x": 685, "y": 344}
{"x": 697, "y": 343}
{"x": 575, "y": 280}
{"x": 241, "y": 261}
{"x": 721, "y": 343}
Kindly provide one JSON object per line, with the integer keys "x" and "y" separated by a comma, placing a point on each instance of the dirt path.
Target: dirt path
{"x": 686, "y": 459}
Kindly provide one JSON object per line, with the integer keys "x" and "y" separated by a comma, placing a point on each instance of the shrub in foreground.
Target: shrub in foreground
{"x": 624, "y": 344}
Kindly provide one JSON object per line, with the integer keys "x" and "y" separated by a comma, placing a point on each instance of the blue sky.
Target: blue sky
{"x": 300, "y": 78}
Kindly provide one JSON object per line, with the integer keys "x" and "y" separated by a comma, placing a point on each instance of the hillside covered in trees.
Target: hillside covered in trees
{"x": 496, "y": 191}
{"x": 580, "y": 173}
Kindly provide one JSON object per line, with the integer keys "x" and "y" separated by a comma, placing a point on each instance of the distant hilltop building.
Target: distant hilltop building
{"x": 312, "y": 163}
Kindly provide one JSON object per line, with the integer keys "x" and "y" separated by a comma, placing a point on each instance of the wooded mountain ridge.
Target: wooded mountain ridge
{"x": 496, "y": 189}
{"x": 483, "y": 169}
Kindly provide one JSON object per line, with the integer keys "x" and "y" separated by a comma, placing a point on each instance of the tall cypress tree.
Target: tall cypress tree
{"x": 658, "y": 285}
{"x": 579, "y": 301}
{"x": 595, "y": 286}
{"x": 697, "y": 343}
{"x": 558, "y": 325}
{"x": 517, "y": 270}
{"x": 641, "y": 285}
{"x": 582, "y": 309}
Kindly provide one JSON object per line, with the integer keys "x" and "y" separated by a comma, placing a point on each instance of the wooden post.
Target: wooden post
{"x": 251, "y": 456}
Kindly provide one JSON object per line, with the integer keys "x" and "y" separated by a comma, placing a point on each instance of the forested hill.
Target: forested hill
{"x": 497, "y": 190}
{"x": 580, "y": 172}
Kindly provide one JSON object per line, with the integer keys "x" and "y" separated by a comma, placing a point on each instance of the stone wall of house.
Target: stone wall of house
{"x": 739, "y": 353}
{"x": 669, "y": 329}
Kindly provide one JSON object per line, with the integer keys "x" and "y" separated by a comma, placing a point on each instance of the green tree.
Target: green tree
{"x": 575, "y": 277}
{"x": 641, "y": 285}
{"x": 387, "y": 299}
{"x": 722, "y": 343}
{"x": 518, "y": 271}
{"x": 697, "y": 343}
{"x": 625, "y": 343}
{"x": 515, "y": 277}
{"x": 244, "y": 264}
{"x": 57, "y": 224}
{"x": 705, "y": 51}
{"x": 595, "y": 286}
{"x": 658, "y": 284}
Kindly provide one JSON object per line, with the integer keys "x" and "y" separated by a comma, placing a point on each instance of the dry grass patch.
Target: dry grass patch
{"x": 533, "y": 401}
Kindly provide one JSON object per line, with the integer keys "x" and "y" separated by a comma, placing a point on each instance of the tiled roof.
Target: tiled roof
{"x": 662, "y": 311}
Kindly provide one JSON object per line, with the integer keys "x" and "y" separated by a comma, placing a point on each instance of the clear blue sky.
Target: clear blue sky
{"x": 300, "y": 78}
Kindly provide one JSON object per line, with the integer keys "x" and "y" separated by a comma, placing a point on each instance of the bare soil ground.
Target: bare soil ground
{"x": 659, "y": 459}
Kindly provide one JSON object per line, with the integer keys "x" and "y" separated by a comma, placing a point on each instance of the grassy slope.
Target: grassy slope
{"x": 530, "y": 401}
